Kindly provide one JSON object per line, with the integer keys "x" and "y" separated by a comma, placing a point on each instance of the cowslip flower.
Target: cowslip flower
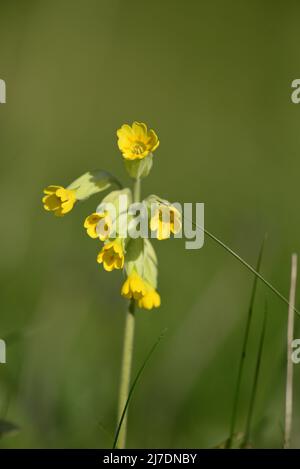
{"x": 112, "y": 255}
{"x": 109, "y": 222}
{"x": 59, "y": 200}
{"x": 165, "y": 220}
{"x": 98, "y": 225}
{"x": 134, "y": 287}
{"x": 136, "y": 141}
{"x": 151, "y": 299}
{"x": 141, "y": 270}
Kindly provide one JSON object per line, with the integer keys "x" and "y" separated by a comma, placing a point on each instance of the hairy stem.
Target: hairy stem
{"x": 137, "y": 191}
{"x": 127, "y": 351}
{"x": 134, "y": 383}
{"x": 126, "y": 371}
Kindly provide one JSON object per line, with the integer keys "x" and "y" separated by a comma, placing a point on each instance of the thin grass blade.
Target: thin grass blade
{"x": 134, "y": 383}
{"x": 244, "y": 348}
{"x": 255, "y": 380}
{"x": 242, "y": 261}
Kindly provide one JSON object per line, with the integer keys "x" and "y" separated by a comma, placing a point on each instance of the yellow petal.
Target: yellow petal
{"x": 140, "y": 130}
{"x": 125, "y": 131}
{"x": 51, "y": 189}
{"x": 153, "y": 141}
{"x": 125, "y": 291}
{"x": 154, "y": 221}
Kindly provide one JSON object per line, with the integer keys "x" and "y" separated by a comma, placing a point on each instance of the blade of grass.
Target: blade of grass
{"x": 134, "y": 383}
{"x": 255, "y": 380}
{"x": 289, "y": 376}
{"x": 244, "y": 348}
{"x": 249, "y": 267}
{"x": 241, "y": 260}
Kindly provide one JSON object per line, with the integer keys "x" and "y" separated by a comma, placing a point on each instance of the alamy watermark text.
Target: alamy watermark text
{"x": 2, "y": 92}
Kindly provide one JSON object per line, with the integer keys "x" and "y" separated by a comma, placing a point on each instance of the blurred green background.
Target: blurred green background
{"x": 213, "y": 79}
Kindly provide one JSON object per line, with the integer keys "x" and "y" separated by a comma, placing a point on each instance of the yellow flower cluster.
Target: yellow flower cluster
{"x": 112, "y": 256}
{"x": 136, "y": 143}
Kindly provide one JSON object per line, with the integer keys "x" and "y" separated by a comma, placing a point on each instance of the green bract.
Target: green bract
{"x": 118, "y": 216}
{"x": 91, "y": 183}
{"x": 141, "y": 257}
{"x": 139, "y": 169}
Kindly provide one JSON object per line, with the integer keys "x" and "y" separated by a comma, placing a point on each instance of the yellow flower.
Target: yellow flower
{"x": 151, "y": 299}
{"x": 98, "y": 225}
{"x": 134, "y": 287}
{"x": 112, "y": 256}
{"x": 166, "y": 220}
{"x": 59, "y": 200}
{"x": 136, "y": 142}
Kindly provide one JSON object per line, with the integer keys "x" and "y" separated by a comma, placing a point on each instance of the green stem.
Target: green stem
{"x": 137, "y": 190}
{"x": 243, "y": 354}
{"x": 134, "y": 383}
{"x": 127, "y": 350}
{"x": 126, "y": 371}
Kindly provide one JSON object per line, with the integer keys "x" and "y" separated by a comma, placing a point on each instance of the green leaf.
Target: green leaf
{"x": 91, "y": 183}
